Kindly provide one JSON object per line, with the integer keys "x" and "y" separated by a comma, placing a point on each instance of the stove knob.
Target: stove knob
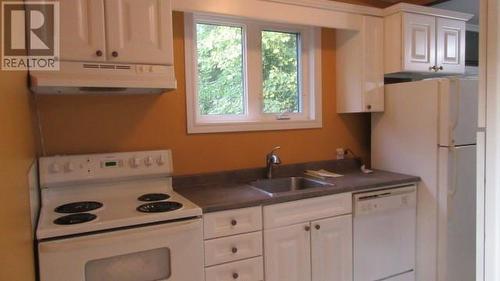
{"x": 135, "y": 162}
{"x": 149, "y": 161}
{"x": 69, "y": 167}
{"x": 55, "y": 168}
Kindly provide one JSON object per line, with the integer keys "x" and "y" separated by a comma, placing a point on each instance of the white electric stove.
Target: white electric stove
{"x": 116, "y": 217}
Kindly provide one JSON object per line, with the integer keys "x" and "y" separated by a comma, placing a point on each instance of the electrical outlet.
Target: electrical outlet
{"x": 340, "y": 153}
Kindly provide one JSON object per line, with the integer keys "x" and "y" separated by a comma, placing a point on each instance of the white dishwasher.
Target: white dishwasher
{"x": 384, "y": 234}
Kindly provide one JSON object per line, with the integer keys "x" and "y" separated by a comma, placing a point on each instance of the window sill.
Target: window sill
{"x": 252, "y": 126}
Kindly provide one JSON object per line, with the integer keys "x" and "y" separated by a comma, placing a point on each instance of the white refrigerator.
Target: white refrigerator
{"x": 429, "y": 129}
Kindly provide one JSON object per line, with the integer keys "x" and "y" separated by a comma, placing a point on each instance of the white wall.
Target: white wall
{"x": 492, "y": 196}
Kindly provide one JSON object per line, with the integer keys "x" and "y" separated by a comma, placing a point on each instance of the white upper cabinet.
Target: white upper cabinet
{"x": 82, "y": 30}
{"x": 121, "y": 31}
{"x": 287, "y": 253}
{"x": 424, "y": 40}
{"x": 450, "y": 45}
{"x": 419, "y": 42}
{"x": 136, "y": 31}
{"x": 331, "y": 245}
{"x": 360, "y": 67}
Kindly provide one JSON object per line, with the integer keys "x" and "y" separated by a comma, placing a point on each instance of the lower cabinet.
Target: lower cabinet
{"x": 233, "y": 245}
{"x": 304, "y": 240}
{"x": 319, "y": 250}
{"x": 287, "y": 253}
{"x": 331, "y": 248}
{"x": 309, "y": 239}
{"x": 250, "y": 269}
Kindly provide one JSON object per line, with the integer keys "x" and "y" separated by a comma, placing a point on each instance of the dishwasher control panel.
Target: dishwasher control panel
{"x": 385, "y": 200}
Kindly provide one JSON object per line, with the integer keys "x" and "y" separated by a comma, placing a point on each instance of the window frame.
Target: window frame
{"x": 254, "y": 119}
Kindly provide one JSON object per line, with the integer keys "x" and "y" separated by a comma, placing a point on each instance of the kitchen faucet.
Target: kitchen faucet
{"x": 272, "y": 160}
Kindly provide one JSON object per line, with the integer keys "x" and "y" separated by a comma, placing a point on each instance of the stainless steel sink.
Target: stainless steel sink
{"x": 282, "y": 185}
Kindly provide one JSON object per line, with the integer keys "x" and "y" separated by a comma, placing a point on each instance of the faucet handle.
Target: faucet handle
{"x": 273, "y": 158}
{"x": 271, "y": 154}
{"x": 275, "y": 149}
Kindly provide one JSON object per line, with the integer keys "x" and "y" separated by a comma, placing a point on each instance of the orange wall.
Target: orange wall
{"x": 92, "y": 124}
{"x": 17, "y": 153}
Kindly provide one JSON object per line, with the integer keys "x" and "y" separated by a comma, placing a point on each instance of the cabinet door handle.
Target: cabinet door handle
{"x": 433, "y": 68}
{"x": 98, "y": 53}
{"x": 235, "y": 276}
{"x": 440, "y": 68}
{"x": 234, "y": 250}
{"x": 307, "y": 228}
{"x": 318, "y": 227}
{"x": 114, "y": 54}
{"x": 234, "y": 222}
{"x": 369, "y": 107}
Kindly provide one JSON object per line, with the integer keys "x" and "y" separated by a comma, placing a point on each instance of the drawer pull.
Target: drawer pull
{"x": 318, "y": 227}
{"x": 234, "y": 250}
{"x": 234, "y": 222}
{"x": 307, "y": 228}
{"x": 235, "y": 276}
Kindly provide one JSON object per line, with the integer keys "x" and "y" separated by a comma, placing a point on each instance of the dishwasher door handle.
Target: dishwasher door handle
{"x": 368, "y": 197}
{"x": 384, "y": 193}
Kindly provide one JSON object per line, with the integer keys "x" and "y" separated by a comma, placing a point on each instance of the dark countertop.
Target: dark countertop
{"x": 230, "y": 190}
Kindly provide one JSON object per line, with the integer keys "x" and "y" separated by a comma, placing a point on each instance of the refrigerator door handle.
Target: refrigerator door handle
{"x": 452, "y": 189}
{"x": 456, "y": 113}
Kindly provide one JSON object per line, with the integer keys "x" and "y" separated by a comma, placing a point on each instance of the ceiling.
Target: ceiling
{"x": 417, "y": 2}
{"x": 386, "y": 3}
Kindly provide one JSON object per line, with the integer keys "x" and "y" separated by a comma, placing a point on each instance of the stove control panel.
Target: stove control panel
{"x": 61, "y": 170}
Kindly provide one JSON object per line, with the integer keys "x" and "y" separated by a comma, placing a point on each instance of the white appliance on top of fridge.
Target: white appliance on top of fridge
{"x": 429, "y": 129}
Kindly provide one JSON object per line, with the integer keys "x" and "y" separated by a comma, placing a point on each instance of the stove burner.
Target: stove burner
{"x": 75, "y": 218}
{"x": 153, "y": 197}
{"x": 158, "y": 207}
{"x": 78, "y": 207}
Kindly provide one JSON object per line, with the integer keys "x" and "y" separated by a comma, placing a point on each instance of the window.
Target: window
{"x": 280, "y": 72}
{"x": 220, "y": 69}
{"x": 245, "y": 75}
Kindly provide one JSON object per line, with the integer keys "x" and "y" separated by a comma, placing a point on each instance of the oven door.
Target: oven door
{"x": 166, "y": 252}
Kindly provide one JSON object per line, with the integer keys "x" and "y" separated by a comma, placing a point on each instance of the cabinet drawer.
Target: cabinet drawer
{"x": 233, "y": 248}
{"x": 232, "y": 222}
{"x": 247, "y": 270}
{"x": 307, "y": 210}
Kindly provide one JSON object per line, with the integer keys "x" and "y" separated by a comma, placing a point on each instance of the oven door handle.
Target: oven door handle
{"x": 147, "y": 233}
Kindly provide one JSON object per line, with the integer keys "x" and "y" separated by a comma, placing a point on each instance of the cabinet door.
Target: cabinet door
{"x": 360, "y": 67}
{"x": 82, "y": 30}
{"x": 139, "y": 31}
{"x": 419, "y": 42}
{"x": 450, "y": 45}
{"x": 332, "y": 249}
{"x": 373, "y": 64}
{"x": 287, "y": 253}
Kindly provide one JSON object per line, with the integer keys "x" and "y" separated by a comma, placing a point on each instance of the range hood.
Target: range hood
{"x": 103, "y": 78}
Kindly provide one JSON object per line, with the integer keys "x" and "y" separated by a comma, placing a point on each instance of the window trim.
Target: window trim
{"x": 253, "y": 118}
